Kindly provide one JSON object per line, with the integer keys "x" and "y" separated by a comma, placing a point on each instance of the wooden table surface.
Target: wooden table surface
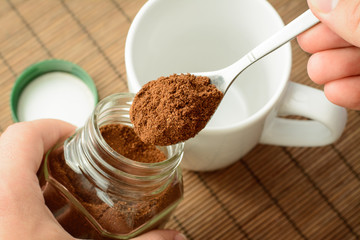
{"x": 271, "y": 193}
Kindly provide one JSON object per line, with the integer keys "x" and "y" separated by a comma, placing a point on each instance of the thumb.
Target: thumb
{"x": 161, "y": 235}
{"x": 341, "y": 16}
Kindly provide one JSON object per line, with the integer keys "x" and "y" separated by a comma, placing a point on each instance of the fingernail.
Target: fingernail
{"x": 180, "y": 236}
{"x": 324, "y": 6}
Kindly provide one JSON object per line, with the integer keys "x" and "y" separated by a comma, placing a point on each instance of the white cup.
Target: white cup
{"x": 173, "y": 36}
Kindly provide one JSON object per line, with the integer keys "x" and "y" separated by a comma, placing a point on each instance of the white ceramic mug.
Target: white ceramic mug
{"x": 173, "y": 36}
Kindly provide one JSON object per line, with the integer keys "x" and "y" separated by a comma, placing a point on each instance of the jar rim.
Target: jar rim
{"x": 178, "y": 148}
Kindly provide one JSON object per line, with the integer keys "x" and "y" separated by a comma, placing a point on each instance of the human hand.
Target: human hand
{"x": 335, "y": 45}
{"x": 23, "y": 213}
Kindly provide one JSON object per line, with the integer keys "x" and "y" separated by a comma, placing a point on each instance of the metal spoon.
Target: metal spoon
{"x": 223, "y": 78}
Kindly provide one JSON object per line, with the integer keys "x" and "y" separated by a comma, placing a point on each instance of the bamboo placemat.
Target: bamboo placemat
{"x": 271, "y": 193}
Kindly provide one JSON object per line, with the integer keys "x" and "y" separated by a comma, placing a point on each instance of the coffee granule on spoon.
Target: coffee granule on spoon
{"x": 173, "y": 109}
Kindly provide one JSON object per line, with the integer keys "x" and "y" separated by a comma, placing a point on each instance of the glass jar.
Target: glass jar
{"x": 95, "y": 192}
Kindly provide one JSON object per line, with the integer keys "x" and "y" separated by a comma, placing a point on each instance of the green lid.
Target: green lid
{"x": 53, "y": 89}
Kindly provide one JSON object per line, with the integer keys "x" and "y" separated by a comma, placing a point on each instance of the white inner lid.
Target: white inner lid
{"x": 56, "y": 95}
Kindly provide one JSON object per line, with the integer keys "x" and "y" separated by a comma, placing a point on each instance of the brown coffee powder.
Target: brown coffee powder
{"x": 130, "y": 145}
{"x": 173, "y": 109}
{"x": 125, "y": 215}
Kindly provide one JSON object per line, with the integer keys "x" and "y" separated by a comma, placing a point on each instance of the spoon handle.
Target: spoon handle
{"x": 287, "y": 33}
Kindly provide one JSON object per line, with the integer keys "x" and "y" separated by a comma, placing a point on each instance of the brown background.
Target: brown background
{"x": 271, "y": 193}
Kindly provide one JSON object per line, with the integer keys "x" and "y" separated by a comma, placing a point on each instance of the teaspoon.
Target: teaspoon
{"x": 223, "y": 78}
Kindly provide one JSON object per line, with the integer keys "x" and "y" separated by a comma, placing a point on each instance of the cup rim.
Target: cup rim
{"x": 259, "y": 114}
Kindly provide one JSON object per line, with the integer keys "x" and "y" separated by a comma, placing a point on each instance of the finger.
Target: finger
{"x": 23, "y": 144}
{"x": 21, "y": 203}
{"x": 161, "y": 235}
{"x": 344, "y": 92}
{"x": 342, "y": 17}
{"x": 334, "y": 64}
{"x": 320, "y": 38}
{"x": 22, "y": 147}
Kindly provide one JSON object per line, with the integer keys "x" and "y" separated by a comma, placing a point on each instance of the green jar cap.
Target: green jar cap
{"x": 53, "y": 89}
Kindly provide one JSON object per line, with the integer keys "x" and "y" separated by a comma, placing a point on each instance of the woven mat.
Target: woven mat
{"x": 271, "y": 193}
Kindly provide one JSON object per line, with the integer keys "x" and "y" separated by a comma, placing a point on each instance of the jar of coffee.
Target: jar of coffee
{"x": 105, "y": 183}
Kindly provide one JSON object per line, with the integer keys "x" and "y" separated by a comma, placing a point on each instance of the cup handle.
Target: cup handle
{"x": 326, "y": 124}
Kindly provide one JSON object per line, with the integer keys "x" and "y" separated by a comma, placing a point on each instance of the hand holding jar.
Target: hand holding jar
{"x": 23, "y": 213}
{"x": 335, "y": 46}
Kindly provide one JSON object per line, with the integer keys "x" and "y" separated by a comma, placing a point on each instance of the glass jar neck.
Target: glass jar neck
{"x": 87, "y": 152}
